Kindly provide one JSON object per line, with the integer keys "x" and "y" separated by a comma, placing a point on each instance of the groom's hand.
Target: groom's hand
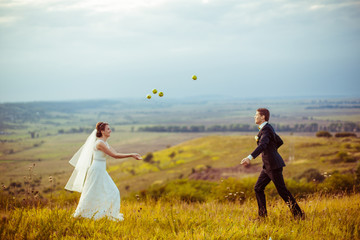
{"x": 245, "y": 161}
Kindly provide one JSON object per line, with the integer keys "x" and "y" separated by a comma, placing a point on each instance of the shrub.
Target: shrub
{"x": 338, "y": 183}
{"x": 312, "y": 175}
{"x": 172, "y": 155}
{"x": 323, "y": 134}
{"x": 183, "y": 189}
{"x": 300, "y": 189}
{"x": 357, "y": 176}
{"x": 345, "y": 134}
{"x": 190, "y": 191}
{"x": 238, "y": 190}
{"x": 344, "y": 156}
{"x": 149, "y": 158}
{"x": 232, "y": 189}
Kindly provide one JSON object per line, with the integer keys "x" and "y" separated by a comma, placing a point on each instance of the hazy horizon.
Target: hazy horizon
{"x": 156, "y": 99}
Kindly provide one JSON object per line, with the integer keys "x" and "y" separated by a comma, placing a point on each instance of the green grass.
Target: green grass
{"x": 227, "y": 151}
{"x": 191, "y": 151}
{"x": 327, "y": 217}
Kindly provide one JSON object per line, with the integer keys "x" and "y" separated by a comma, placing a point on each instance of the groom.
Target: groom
{"x": 268, "y": 142}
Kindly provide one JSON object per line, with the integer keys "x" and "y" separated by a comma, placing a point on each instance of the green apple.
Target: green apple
{"x": 154, "y": 91}
{"x": 148, "y": 96}
{"x": 161, "y": 94}
{"x": 194, "y": 77}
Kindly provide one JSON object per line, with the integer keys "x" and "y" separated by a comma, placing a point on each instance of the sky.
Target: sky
{"x": 61, "y": 50}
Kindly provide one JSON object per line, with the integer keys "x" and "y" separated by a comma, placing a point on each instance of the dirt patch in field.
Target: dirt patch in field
{"x": 214, "y": 174}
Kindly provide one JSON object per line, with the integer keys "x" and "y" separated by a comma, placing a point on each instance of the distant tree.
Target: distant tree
{"x": 197, "y": 128}
{"x": 32, "y": 134}
{"x": 345, "y": 134}
{"x": 323, "y": 134}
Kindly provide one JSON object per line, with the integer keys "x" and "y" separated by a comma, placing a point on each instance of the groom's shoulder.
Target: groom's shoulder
{"x": 268, "y": 127}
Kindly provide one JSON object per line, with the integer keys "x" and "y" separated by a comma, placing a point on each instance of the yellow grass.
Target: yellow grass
{"x": 332, "y": 217}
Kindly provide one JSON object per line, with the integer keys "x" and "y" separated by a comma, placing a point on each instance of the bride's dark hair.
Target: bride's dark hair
{"x": 100, "y": 126}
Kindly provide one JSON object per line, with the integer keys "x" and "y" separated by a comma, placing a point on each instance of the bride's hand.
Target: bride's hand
{"x": 137, "y": 156}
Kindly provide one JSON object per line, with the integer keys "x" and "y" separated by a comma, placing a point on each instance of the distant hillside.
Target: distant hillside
{"x": 209, "y": 111}
{"x": 216, "y": 157}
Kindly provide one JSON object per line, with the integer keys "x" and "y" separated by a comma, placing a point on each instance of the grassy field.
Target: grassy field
{"x": 178, "y": 157}
{"x": 34, "y": 204}
{"x": 51, "y": 150}
{"x": 327, "y": 217}
{"x": 300, "y": 153}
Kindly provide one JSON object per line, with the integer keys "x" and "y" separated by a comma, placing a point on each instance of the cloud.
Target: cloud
{"x": 8, "y": 20}
{"x": 330, "y": 5}
{"x": 123, "y": 43}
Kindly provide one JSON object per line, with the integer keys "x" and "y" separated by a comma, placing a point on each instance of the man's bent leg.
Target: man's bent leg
{"x": 278, "y": 179}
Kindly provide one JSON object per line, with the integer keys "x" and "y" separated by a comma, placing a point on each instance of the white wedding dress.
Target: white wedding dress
{"x": 100, "y": 196}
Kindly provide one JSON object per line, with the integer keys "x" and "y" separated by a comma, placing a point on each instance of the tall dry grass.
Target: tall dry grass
{"x": 327, "y": 217}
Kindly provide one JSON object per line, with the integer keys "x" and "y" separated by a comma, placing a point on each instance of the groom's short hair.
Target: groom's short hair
{"x": 264, "y": 112}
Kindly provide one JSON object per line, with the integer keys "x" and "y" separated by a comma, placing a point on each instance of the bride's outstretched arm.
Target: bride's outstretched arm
{"x": 112, "y": 153}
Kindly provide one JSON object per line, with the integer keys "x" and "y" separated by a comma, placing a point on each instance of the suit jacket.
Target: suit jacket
{"x": 268, "y": 143}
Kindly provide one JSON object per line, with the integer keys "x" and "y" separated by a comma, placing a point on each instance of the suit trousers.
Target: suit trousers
{"x": 276, "y": 176}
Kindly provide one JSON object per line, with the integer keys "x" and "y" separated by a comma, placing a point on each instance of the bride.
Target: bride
{"x": 99, "y": 195}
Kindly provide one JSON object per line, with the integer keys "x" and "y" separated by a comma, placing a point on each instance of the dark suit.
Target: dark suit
{"x": 268, "y": 143}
